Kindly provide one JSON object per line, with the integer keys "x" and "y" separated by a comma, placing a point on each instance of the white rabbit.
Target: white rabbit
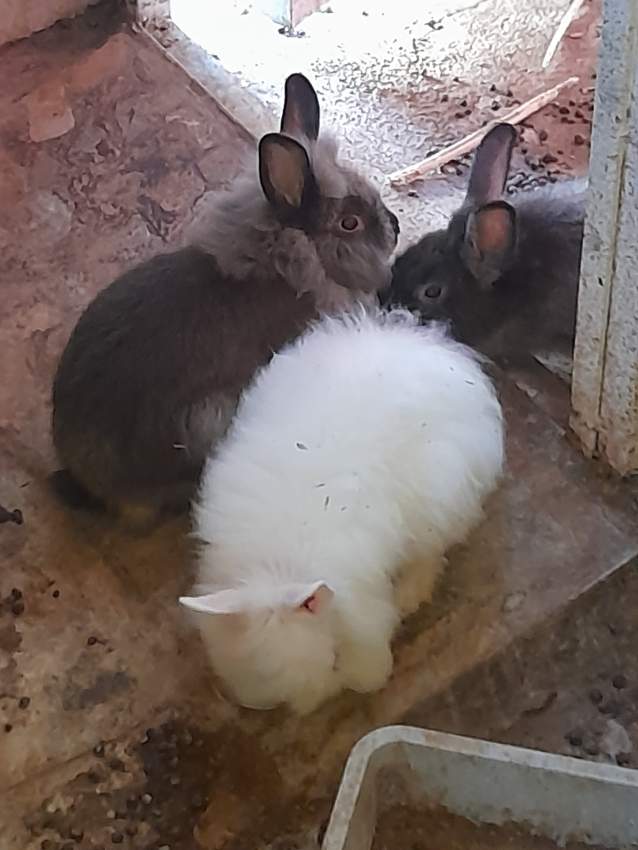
{"x": 367, "y": 445}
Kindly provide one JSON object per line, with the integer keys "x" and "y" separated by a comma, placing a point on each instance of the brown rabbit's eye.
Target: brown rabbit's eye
{"x": 433, "y": 291}
{"x": 350, "y": 223}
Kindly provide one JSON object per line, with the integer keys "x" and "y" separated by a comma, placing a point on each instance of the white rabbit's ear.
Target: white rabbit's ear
{"x": 300, "y": 117}
{"x": 286, "y": 177}
{"x": 313, "y": 598}
{"x": 224, "y": 602}
{"x": 491, "y": 165}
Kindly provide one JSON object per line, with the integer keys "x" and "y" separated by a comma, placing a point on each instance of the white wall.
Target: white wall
{"x": 20, "y": 18}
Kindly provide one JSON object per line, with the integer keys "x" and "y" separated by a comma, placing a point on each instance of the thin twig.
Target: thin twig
{"x": 468, "y": 143}
{"x": 572, "y": 11}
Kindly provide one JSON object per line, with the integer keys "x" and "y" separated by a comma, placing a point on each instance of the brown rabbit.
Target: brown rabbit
{"x": 505, "y": 275}
{"x": 152, "y": 373}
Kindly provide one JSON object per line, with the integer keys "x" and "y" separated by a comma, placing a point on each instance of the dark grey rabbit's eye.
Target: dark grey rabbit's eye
{"x": 350, "y": 223}
{"x": 433, "y": 291}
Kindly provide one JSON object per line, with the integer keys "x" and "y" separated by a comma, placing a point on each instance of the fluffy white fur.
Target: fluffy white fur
{"x": 358, "y": 456}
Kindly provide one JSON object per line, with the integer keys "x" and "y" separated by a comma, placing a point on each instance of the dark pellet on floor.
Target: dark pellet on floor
{"x": 619, "y": 682}
{"x": 579, "y": 140}
{"x": 610, "y": 708}
{"x": 14, "y": 516}
{"x": 23, "y": 702}
{"x": 575, "y": 737}
{"x": 117, "y": 838}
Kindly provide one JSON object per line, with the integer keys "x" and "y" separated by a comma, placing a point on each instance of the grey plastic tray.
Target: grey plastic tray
{"x": 556, "y": 796}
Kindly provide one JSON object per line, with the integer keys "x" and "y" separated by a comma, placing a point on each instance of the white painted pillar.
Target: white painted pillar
{"x": 605, "y": 376}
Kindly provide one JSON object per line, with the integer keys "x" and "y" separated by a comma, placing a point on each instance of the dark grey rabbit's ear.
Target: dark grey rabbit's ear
{"x": 491, "y": 165}
{"x": 300, "y": 117}
{"x": 286, "y": 176}
{"x": 490, "y": 241}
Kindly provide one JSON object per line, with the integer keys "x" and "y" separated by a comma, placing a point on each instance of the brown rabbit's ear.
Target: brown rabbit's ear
{"x": 491, "y": 165}
{"x": 286, "y": 177}
{"x": 490, "y": 241}
{"x": 300, "y": 117}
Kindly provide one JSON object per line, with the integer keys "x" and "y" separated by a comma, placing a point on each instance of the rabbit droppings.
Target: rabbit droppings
{"x": 152, "y": 373}
{"x": 367, "y": 445}
{"x": 504, "y": 274}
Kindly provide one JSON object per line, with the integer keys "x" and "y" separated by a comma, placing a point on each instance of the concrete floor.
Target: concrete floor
{"x": 111, "y": 730}
{"x": 406, "y": 78}
{"x": 568, "y": 687}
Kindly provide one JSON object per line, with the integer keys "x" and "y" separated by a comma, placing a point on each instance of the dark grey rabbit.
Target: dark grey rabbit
{"x": 505, "y": 275}
{"x": 153, "y": 370}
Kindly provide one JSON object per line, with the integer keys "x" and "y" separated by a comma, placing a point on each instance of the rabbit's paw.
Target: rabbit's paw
{"x": 366, "y": 668}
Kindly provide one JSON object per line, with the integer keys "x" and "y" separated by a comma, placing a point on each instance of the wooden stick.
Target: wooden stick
{"x": 572, "y": 10}
{"x": 467, "y": 144}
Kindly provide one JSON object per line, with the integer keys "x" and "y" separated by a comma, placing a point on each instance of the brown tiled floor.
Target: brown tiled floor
{"x": 92, "y": 647}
